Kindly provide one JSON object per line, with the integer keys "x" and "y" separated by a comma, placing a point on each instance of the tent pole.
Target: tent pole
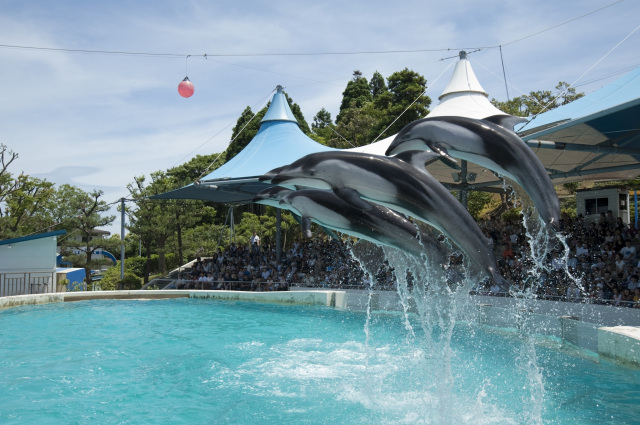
{"x": 232, "y": 228}
{"x": 464, "y": 186}
{"x": 635, "y": 201}
{"x": 278, "y": 234}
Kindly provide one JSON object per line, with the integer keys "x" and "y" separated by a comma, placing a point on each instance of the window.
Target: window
{"x": 596, "y": 205}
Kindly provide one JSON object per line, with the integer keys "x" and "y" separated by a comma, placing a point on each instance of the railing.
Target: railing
{"x": 26, "y": 283}
{"x": 563, "y": 298}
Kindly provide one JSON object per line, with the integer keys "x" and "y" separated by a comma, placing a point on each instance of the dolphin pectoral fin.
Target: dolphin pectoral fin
{"x": 506, "y": 121}
{"x": 442, "y": 150}
{"x": 351, "y": 196}
{"x": 419, "y": 159}
{"x": 306, "y": 226}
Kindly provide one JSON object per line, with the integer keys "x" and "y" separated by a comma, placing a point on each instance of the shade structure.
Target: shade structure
{"x": 595, "y": 137}
{"x": 278, "y": 142}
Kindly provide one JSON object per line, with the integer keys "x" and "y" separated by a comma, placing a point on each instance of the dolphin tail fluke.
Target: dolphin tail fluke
{"x": 306, "y": 226}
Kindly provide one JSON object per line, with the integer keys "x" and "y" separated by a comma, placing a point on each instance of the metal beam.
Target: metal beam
{"x": 576, "y": 173}
{"x": 543, "y": 144}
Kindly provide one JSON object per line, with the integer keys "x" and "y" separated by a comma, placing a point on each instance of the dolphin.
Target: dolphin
{"x": 489, "y": 143}
{"x": 376, "y": 223}
{"x": 401, "y": 183}
{"x": 379, "y": 224}
{"x": 272, "y": 196}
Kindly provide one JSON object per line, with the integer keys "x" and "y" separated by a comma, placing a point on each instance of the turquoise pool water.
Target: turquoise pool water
{"x": 204, "y": 362}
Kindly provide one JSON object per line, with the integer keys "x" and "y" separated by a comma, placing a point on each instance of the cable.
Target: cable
{"x": 364, "y": 52}
{"x": 578, "y": 79}
{"x": 415, "y": 100}
{"x": 560, "y": 24}
{"x": 237, "y": 135}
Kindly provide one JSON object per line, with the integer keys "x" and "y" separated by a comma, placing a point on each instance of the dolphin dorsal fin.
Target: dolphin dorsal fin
{"x": 352, "y": 197}
{"x": 419, "y": 159}
{"x": 506, "y": 121}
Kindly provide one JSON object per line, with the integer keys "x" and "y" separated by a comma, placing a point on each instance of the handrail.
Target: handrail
{"x": 26, "y": 283}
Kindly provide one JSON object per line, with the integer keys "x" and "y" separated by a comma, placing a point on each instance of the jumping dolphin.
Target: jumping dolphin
{"x": 401, "y": 183}
{"x": 378, "y": 224}
{"x": 272, "y": 196}
{"x": 489, "y": 143}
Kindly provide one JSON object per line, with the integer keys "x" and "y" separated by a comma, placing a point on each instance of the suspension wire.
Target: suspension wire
{"x": 415, "y": 100}
{"x": 363, "y": 52}
{"x": 506, "y": 87}
{"x": 237, "y": 135}
{"x": 583, "y": 74}
{"x": 560, "y": 24}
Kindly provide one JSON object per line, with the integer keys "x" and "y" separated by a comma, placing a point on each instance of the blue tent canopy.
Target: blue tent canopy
{"x": 596, "y": 135}
{"x": 278, "y": 142}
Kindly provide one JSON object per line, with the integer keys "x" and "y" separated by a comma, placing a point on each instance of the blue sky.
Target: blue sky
{"x": 99, "y": 120}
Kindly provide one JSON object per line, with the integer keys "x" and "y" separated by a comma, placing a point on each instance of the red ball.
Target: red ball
{"x": 185, "y": 88}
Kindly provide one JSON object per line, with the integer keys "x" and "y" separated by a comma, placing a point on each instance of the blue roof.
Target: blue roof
{"x": 279, "y": 109}
{"x": 278, "y": 142}
{"x": 619, "y": 95}
{"x": 33, "y": 237}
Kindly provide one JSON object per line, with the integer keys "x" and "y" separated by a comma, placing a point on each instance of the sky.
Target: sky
{"x": 98, "y": 119}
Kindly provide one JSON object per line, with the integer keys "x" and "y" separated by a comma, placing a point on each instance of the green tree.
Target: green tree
{"x": 539, "y": 101}
{"x": 355, "y": 95}
{"x": 297, "y": 113}
{"x": 82, "y": 214}
{"x": 322, "y": 126}
{"x": 404, "y": 103}
{"x": 477, "y": 202}
{"x": 357, "y": 126}
{"x": 152, "y": 220}
{"x": 377, "y": 85}
{"x": 244, "y": 131}
{"x": 27, "y": 207}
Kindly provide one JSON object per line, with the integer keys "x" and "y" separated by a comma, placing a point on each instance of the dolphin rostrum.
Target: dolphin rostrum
{"x": 400, "y": 183}
{"x": 489, "y": 143}
{"x": 378, "y": 224}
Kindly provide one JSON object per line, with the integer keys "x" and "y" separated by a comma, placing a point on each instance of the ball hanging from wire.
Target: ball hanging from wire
{"x": 185, "y": 88}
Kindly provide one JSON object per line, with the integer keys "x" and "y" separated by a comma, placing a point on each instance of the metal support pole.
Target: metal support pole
{"x": 122, "y": 239}
{"x": 232, "y": 235}
{"x": 464, "y": 199}
{"x": 278, "y": 234}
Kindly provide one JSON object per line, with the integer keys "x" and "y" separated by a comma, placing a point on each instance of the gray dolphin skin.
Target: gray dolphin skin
{"x": 271, "y": 196}
{"x": 400, "y": 183}
{"x": 377, "y": 224}
{"x": 489, "y": 143}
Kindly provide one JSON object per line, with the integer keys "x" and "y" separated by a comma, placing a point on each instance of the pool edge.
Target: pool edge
{"x": 335, "y": 299}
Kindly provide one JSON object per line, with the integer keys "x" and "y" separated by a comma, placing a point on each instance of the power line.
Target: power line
{"x": 335, "y": 53}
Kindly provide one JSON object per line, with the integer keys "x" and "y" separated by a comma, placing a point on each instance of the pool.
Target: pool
{"x": 201, "y": 362}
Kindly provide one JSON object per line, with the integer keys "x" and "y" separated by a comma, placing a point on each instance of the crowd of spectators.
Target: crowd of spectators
{"x": 326, "y": 263}
{"x": 600, "y": 266}
{"x": 599, "y": 263}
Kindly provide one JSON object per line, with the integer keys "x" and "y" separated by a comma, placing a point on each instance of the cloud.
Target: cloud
{"x": 98, "y": 120}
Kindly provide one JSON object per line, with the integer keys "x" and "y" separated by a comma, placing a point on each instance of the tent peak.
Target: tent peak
{"x": 279, "y": 109}
{"x": 464, "y": 80}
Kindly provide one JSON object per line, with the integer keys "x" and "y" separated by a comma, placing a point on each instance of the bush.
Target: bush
{"x": 111, "y": 280}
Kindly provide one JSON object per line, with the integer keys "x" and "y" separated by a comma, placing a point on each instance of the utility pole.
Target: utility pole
{"x": 122, "y": 239}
